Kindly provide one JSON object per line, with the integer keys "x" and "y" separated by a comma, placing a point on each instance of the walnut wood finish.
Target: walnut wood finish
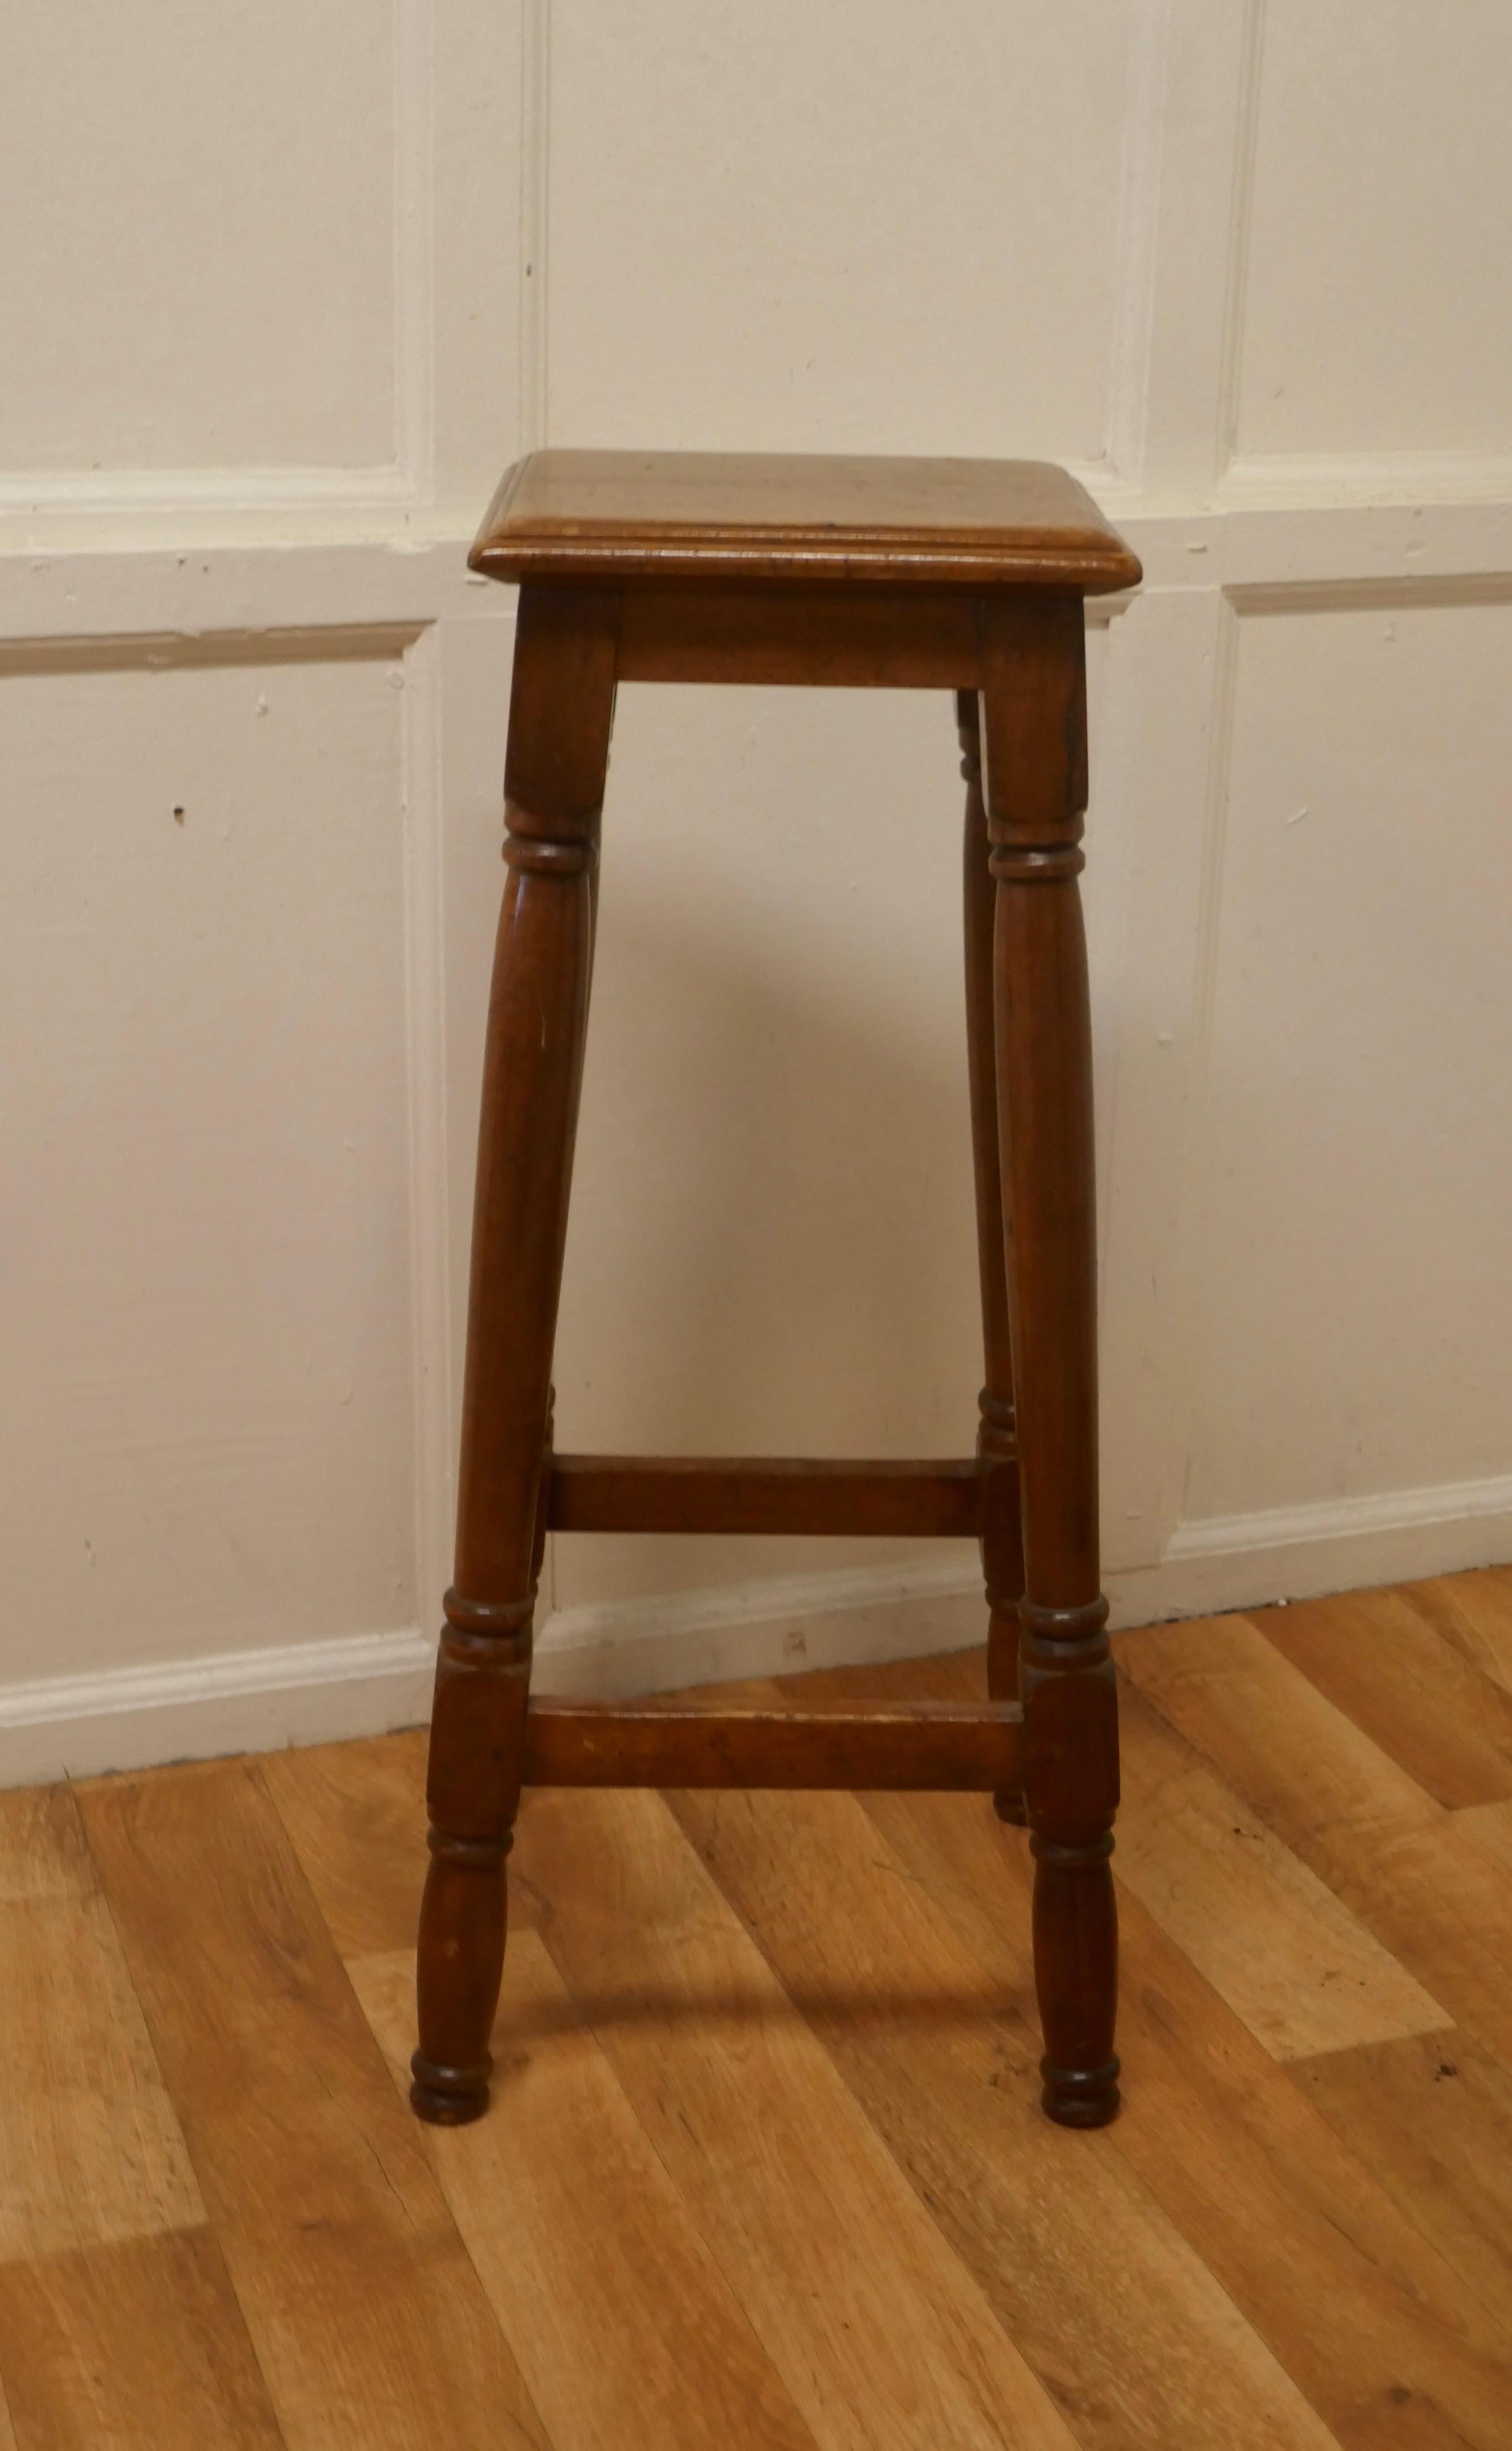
{"x": 766, "y": 1494}
{"x": 1036, "y": 721}
{"x": 559, "y": 746}
{"x": 634, "y": 515}
{"x": 782, "y": 636}
{"x": 996, "y": 1439}
{"x": 956, "y": 574}
{"x": 935, "y": 1747}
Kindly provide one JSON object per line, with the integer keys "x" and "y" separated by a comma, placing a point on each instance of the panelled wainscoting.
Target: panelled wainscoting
{"x": 1240, "y": 267}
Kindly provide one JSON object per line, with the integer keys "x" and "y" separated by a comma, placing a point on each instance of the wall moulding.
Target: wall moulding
{"x": 1117, "y": 469}
{"x": 534, "y": 222}
{"x": 1401, "y": 592}
{"x": 190, "y": 650}
{"x": 1136, "y": 256}
{"x": 1385, "y": 479}
{"x": 93, "y": 493}
{"x": 53, "y": 494}
{"x": 283, "y": 591}
{"x": 183, "y": 567}
{"x": 1236, "y": 290}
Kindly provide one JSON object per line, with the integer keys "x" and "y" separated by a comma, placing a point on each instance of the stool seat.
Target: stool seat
{"x": 762, "y": 516}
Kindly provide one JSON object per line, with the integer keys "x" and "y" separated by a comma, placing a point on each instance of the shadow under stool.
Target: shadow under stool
{"x": 966, "y": 575}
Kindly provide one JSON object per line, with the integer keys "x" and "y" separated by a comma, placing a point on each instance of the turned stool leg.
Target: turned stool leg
{"x": 1002, "y": 1546}
{"x": 558, "y": 739}
{"x": 1036, "y": 791}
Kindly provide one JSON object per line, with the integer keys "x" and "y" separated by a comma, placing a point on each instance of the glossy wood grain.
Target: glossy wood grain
{"x": 881, "y": 636}
{"x": 769, "y": 1494}
{"x": 880, "y": 2331}
{"x": 1431, "y": 1707}
{"x": 1343, "y": 2273}
{"x": 1035, "y": 728}
{"x": 996, "y": 1439}
{"x": 90, "y": 2146}
{"x": 951, "y": 1745}
{"x": 1301, "y": 1971}
{"x": 1473, "y": 1613}
{"x": 940, "y": 2051}
{"x": 628, "y": 2330}
{"x": 560, "y": 716}
{"x": 139, "y": 2345}
{"x": 960, "y": 573}
{"x": 758, "y": 516}
{"x": 1430, "y": 1883}
{"x": 357, "y": 2292}
{"x": 1432, "y": 2116}
{"x": 765, "y": 2164}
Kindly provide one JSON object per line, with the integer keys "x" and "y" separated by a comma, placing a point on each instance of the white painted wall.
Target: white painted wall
{"x": 281, "y": 291}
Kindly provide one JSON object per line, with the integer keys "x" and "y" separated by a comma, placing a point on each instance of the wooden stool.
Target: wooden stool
{"x": 959, "y": 575}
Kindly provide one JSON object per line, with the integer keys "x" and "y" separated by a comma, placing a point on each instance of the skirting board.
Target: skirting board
{"x": 361, "y": 1684}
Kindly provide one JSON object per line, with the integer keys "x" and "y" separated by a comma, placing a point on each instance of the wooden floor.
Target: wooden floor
{"x": 765, "y": 2166}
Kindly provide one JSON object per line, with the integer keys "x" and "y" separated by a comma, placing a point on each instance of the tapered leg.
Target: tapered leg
{"x": 1035, "y": 702}
{"x": 558, "y": 735}
{"x": 996, "y": 1443}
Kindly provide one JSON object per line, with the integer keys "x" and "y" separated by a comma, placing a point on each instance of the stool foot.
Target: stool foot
{"x": 1009, "y": 1804}
{"x": 1080, "y": 2097}
{"x": 446, "y": 2097}
{"x": 459, "y": 1969}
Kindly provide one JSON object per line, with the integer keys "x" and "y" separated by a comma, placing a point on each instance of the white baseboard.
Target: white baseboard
{"x": 231, "y": 1702}
{"x": 359, "y": 1685}
{"x": 1234, "y": 1561}
{"x": 771, "y": 1628}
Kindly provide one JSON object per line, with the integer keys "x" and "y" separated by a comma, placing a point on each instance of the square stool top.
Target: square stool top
{"x": 726, "y": 517}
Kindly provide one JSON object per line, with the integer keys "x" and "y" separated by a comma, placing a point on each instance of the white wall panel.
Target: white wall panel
{"x": 196, "y": 240}
{"x": 773, "y": 1239}
{"x": 772, "y": 1247}
{"x": 1375, "y": 314}
{"x": 469, "y": 170}
{"x": 280, "y": 292}
{"x": 841, "y": 228}
{"x": 1350, "y": 1224}
{"x": 207, "y": 1433}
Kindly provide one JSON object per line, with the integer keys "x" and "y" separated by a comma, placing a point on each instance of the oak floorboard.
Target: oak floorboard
{"x": 1110, "y": 2305}
{"x": 1385, "y": 1663}
{"x": 1293, "y": 1754}
{"x": 356, "y": 1815}
{"x": 1366, "y": 2316}
{"x": 798, "y": 2098}
{"x": 880, "y": 2333}
{"x": 1473, "y": 1613}
{"x": 624, "y": 2327}
{"x": 138, "y": 2345}
{"x": 1301, "y": 1970}
{"x": 1320, "y": 2241}
{"x": 1491, "y": 1826}
{"x": 1430, "y": 1884}
{"x": 1431, "y": 2116}
{"x": 1291, "y": 1961}
{"x": 90, "y": 2148}
{"x": 368, "y": 2320}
